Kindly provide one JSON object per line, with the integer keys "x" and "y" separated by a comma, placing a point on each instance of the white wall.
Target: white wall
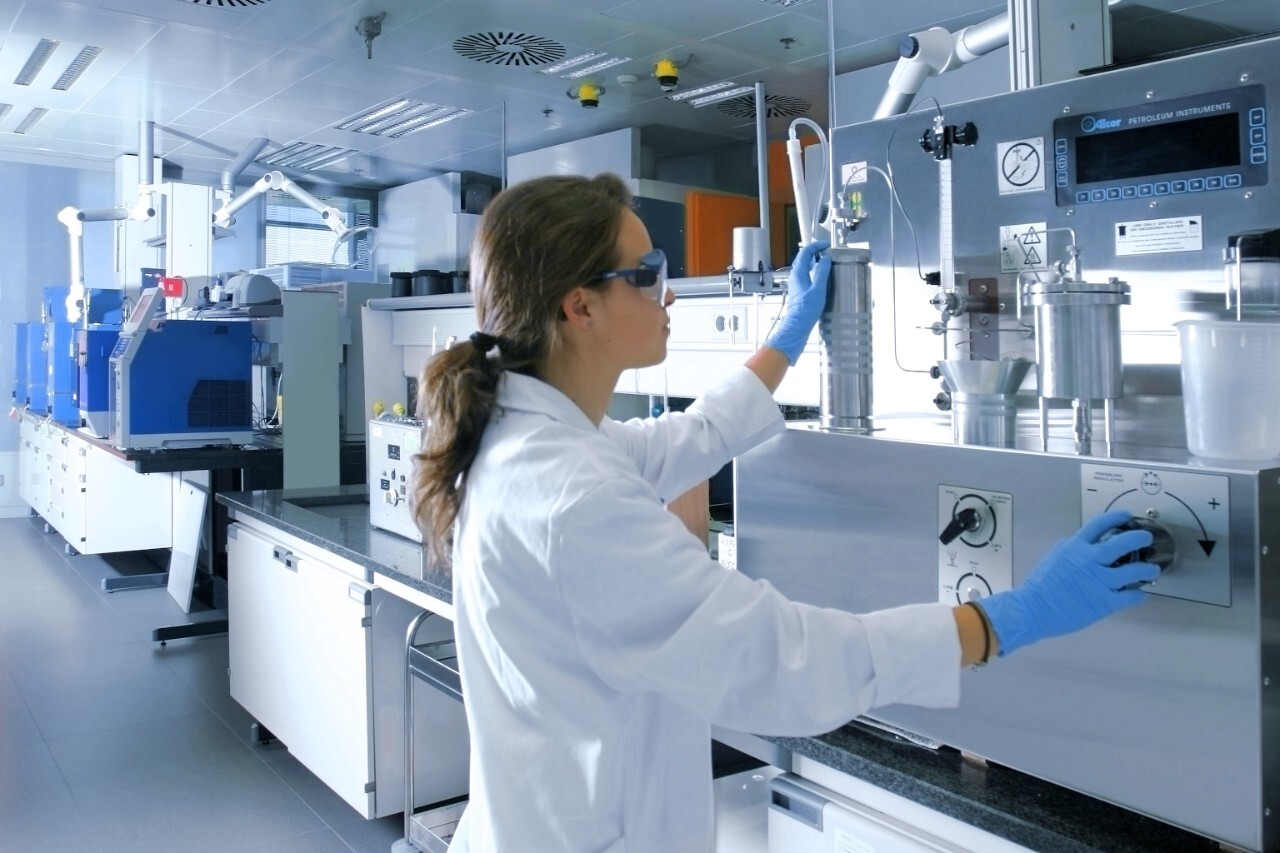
{"x": 420, "y": 226}
{"x": 37, "y": 251}
{"x": 617, "y": 152}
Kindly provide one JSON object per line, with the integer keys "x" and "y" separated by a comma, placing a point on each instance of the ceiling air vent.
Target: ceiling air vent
{"x": 509, "y": 48}
{"x": 228, "y": 4}
{"x": 776, "y": 106}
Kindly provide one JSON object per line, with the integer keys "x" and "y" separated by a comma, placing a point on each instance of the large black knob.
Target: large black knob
{"x": 1161, "y": 552}
{"x": 963, "y": 521}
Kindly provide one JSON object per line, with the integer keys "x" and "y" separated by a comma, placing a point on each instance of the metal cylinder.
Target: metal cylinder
{"x": 845, "y": 343}
{"x": 985, "y": 420}
{"x": 1078, "y": 338}
{"x": 750, "y": 249}
{"x": 984, "y": 399}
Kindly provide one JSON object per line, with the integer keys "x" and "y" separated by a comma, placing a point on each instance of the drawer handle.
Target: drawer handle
{"x": 285, "y": 556}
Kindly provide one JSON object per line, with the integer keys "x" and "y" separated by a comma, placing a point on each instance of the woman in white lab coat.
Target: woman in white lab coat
{"x": 598, "y": 642}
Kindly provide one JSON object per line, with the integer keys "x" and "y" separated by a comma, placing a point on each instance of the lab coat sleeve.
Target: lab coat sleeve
{"x": 681, "y": 449}
{"x": 653, "y": 613}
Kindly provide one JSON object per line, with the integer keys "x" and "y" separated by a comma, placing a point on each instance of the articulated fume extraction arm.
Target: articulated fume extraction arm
{"x": 331, "y": 216}
{"x": 934, "y": 51}
{"x": 142, "y": 210}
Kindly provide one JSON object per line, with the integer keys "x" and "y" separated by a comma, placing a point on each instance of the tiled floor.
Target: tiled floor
{"x": 111, "y": 744}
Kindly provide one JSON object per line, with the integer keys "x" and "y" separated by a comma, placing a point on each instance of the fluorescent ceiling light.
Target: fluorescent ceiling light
{"x": 43, "y": 50}
{"x": 569, "y": 63}
{"x": 326, "y": 158}
{"x": 373, "y": 114}
{"x": 432, "y": 123}
{"x": 721, "y": 96}
{"x": 4, "y": 109}
{"x": 380, "y": 126}
{"x": 32, "y": 117}
{"x": 395, "y": 129}
{"x": 77, "y": 67}
{"x": 786, "y": 4}
{"x": 701, "y": 90}
{"x": 283, "y": 153}
{"x": 306, "y": 152}
{"x": 598, "y": 66}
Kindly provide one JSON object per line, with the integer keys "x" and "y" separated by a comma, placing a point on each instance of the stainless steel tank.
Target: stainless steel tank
{"x": 1078, "y": 338}
{"x": 1077, "y": 326}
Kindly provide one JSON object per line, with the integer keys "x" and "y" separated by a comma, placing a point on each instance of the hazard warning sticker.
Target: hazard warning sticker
{"x": 1155, "y": 236}
{"x": 1023, "y": 247}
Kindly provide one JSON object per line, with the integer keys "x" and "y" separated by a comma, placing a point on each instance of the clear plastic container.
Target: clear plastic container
{"x": 1231, "y": 388}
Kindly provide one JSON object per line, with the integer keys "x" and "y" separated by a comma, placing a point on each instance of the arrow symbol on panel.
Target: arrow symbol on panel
{"x": 1206, "y": 543}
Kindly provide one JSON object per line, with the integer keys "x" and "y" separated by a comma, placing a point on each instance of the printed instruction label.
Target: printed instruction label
{"x": 1023, "y": 247}
{"x": 1020, "y": 166}
{"x": 853, "y": 173}
{"x": 1155, "y": 236}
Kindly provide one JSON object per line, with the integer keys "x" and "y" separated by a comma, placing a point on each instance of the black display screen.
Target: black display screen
{"x": 1183, "y": 146}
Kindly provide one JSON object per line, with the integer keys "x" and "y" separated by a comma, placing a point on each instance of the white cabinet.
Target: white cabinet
{"x": 317, "y": 657}
{"x": 711, "y": 336}
{"x": 33, "y": 465}
{"x": 99, "y": 503}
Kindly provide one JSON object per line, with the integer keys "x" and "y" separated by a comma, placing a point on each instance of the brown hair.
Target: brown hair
{"x": 537, "y": 241}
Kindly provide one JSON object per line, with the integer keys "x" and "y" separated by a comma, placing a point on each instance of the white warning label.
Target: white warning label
{"x": 1155, "y": 236}
{"x": 1023, "y": 247}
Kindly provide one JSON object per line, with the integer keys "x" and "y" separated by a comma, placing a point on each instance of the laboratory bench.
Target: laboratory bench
{"x": 887, "y": 771}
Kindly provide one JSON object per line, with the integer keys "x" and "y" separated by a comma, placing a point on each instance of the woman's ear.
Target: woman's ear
{"x": 580, "y": 306}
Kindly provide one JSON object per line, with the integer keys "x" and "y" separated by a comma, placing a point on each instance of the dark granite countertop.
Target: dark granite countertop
{"x": 337, "y": 520}
{"x": 1004, "y": 802}
{"x": 1007, "y": 803}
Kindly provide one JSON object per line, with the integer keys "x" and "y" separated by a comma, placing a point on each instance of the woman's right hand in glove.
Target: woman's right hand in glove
{"x": 1074, "y": 585}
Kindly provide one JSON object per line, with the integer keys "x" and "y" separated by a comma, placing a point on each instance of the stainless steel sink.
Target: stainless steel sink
{"x": 334, "y": 506}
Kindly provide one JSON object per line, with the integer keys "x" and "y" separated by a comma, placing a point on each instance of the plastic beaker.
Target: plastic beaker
{"x": 1231, "y": 388}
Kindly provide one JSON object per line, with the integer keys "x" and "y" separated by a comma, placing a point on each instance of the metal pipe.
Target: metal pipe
{"x": 762, "y": 165}
{"x": 147, "y": 154}
{"x": 238, "y": 165}
{"x": 981, "y": 39}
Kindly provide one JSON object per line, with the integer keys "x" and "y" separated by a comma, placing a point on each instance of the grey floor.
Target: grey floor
{"x": 109, "y": 742}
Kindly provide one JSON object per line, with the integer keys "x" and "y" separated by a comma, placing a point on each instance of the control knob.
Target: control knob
{"x": 1160, "y": 553}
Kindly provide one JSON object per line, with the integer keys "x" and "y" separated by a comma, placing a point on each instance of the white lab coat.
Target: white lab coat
{"x": 598, "y": 641}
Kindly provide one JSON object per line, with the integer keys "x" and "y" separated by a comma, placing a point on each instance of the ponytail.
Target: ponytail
{"x": 536, "y": 242}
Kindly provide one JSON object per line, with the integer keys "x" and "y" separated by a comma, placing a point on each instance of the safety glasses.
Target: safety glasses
{"x": 650, "y": 276}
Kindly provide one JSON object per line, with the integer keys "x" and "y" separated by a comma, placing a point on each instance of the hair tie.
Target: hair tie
{"x": 483, "y": 342}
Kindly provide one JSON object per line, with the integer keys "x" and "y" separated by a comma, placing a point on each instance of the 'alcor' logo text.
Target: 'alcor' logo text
{"x": 1089, "y": 124}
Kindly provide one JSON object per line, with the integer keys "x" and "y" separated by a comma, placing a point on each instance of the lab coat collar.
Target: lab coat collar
{"x": 520, "y": 393}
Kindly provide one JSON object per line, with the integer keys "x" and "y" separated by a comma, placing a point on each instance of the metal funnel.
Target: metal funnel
{"x": 972, "y": 376}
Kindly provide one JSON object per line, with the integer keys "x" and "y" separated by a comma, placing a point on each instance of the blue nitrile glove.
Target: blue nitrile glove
{"x": 806, "y": 297}
{"x": 1072, "y": 586}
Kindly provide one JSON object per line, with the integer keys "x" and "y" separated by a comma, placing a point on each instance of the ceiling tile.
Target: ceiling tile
{"x": 698, "y": 21}
{"x": 277, "y": 72}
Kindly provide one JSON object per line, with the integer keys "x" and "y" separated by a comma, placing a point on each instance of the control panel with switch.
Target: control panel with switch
{"x": 975, "y": 543}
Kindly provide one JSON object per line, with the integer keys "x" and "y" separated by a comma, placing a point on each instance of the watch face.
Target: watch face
{"x": 1021, "y": 164}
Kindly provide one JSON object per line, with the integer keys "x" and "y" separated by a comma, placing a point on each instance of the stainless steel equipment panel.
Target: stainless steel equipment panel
{"x": 1166, "y": 709}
